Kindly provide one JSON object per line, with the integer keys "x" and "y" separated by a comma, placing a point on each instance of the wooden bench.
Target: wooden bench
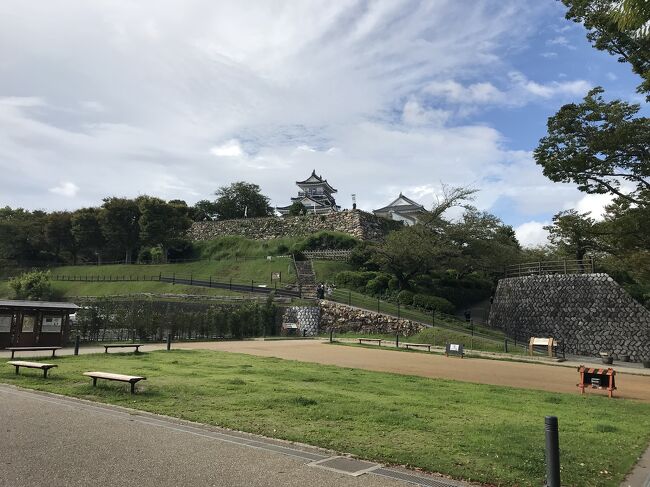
{"x": 13, "y": 350}
{"x": 131, "y": 379}
{"x": 425, "y": 345}
{"x": 378, "y": 340}
{"x": 120, "y": 345}
{"x": 32, "y": 365}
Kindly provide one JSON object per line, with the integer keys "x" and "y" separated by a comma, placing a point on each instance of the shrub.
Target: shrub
{"x": 327, "y": 241}
{"x": 433, "y": 302}
{"x": 354, "y": 280}
{"x": 32, "y": 285}
{"x": 378, "y": 285}
{"x": 405, "y": 297}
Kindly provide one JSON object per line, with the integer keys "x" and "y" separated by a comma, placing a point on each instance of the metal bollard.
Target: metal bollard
{"x": 169, "y": 341}
{"x": 552, "y": 452}
{"x": 76, "y": 345}
{"x": 331, "y": 335}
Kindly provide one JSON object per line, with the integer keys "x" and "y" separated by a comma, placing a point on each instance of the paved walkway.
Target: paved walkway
{"x": 53, "y": 440}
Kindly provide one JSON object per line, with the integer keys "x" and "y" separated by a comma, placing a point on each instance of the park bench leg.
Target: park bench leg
{"x": 132, "y": 387}
{"x": 94, "y": 381}
{"x": 105, "y": 349}
{"x": 45, "y": 373}
{"x": 17, "y": 368}
{"x": 12, "y": 354}
{"x": 53, "y": 353}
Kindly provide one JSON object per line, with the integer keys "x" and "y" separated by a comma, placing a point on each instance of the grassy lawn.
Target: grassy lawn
{"x": 240, "y": 270}
{"x": 325, "y": 270}
{"x": 478, "y": 432}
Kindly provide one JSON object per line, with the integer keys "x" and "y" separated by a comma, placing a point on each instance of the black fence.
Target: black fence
{"x": 190, "y": 280}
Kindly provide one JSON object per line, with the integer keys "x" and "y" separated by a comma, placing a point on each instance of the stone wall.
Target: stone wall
{"x": 359, "y": 224}
{"x": 306, "y": 317}
{"x": 589, "y": 313}
{"x": 345, "y": 318}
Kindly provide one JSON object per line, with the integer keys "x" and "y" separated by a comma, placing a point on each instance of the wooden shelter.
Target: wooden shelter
{"x": 34, "y": 323}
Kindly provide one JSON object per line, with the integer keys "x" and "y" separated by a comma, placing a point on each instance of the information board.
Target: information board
{"x": 51, "y": 324}
{"x": 5, "y": 324}
{"x": 454, "y": 349}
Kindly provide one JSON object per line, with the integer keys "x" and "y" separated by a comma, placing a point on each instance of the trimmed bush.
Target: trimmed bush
{"x": 378, "y": 285}
{"x": 433, "y": 302}
{"x": 354, "y": 280}
{"x": 405, "y": 297}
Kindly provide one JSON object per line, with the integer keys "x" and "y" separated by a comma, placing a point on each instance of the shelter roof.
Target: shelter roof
{"x": 37, "y": 304}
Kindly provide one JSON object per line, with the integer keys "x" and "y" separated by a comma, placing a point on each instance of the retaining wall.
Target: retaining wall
{"x": 356, "y": 223}
{"x": 589, "y": 313}
{"x": 343, "y": 318}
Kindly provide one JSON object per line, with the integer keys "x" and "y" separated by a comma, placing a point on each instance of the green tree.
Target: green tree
{"x": 575, "y": 234}
{"x": 483, "y": 243}
{"x": 162, "y": 224}
{"x": 609, "y": 31}
{"x": 411, "y": 252}
{"x": 58, "y": 234}
{"x": 204, "y": 210}
{"x": 633, "y": 15}
{"x": 297, "y": 209}
{"x": 120, "y": 224}
{"x": 87, "y": 232}
{"x": 241, "y": 199}
{"x": 22, "y": 236}
{"x": 601, "y": 146}
{"x": 32, "y": 285}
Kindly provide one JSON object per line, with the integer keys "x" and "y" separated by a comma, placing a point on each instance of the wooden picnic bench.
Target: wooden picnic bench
{"x": 425, "y": 345}
{"x": 122, "y": 345}
{"x": 32, "y": 365}
{"x": 13, "y": 350}
{"x": 131, "y": 379}
{"x": 378, "y": 340}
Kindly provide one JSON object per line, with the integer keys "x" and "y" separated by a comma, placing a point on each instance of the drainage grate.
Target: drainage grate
{"x": 416, "y": 479}
{"x": 345, "y": 465}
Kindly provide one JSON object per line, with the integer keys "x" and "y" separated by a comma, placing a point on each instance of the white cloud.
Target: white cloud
{"x": 520, "y": 91}
{"x": 155, "y": 98}
{"x": 232, "y": 148}
{"x": 65, "y": 188}
{"x": 548, "y": 54}
{"x": 415, "y": 114}
{"x": 561, "y": 41}
{"x": 594, "y": 204}
{"x": 532, "y": 233}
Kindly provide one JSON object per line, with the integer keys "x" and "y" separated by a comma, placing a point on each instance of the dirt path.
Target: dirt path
{"x": 495, "y": 372}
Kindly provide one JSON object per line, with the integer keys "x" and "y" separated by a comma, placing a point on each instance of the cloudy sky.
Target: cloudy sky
{"x": 177, "y": 98}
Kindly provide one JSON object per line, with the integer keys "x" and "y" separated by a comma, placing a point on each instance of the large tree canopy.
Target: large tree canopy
{"x": 599, "y": 145}
{"x": 615, "y": 30}
{"x": 241, "y": 200}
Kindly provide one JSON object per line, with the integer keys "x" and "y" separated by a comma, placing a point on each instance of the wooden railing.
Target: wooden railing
{"x": 585, "y": 266}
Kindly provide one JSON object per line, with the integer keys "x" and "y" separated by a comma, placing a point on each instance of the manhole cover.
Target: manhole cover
{"x": 345, "y": 465}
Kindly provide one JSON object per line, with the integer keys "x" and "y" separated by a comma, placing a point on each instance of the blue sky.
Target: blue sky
{"x": 175, "y": 99}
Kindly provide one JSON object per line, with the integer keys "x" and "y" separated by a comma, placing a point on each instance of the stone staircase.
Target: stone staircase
{"x": 306, "y": 278}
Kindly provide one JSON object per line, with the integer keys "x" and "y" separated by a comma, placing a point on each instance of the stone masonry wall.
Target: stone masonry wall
{"x": 359, "y": 224}
{"x": 589, "y": 313}
{"x": 347, "y": 318}
{"x": 306, "y": 317}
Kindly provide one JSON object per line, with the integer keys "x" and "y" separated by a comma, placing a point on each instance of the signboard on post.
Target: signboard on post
{"x": 454, "y": 349}
{"x": 276, "y": 276}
